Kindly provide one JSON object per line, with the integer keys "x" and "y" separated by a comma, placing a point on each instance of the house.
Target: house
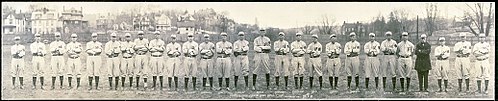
{"x": 45, "y": 21}
{"x": 72, "y": 20}
{"x": 142, "y": 22}
{"x": 105, "y": 22}
{"x": 13, "y": 23}
{"x": 163, "y": 23}
{"x": 358, "y": 28}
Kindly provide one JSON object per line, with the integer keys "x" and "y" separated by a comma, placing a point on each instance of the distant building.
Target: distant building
{"x": 142, "y": 22}
{"x": 13, "y": 23}
{"x": 72, "y": 20}
{"x": 45, "y": 21}
{"x": 163, "y": 23}
{"x": 104, "y": 22}
{"x": 357, "y": 27}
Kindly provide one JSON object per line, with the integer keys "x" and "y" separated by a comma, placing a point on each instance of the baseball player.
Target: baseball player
{"x": 405, "y": 63}
{"x": 481, "y": 51}
{"x": 315, "y": 49}
{"x": 262, "y": 46}
{"x": 372, "y": 49}
{"x": 39, "y": 51}
{"x": 442, "y": 52}
{"x": 333, "y": 49}
{"x": 156, "y": 62}
{"x": 141, "y": 48}
{"x": 241, "y": 61}
{"x": 94, "y": 60}
{"x": 74, "y": 62}
{"x": 463, "y": 49}
{"x": 190, "y": 50}
{"x": 57, "y": 48}
{"x": 281, "y": 59}
{"x": 223, "y": 62}
{"x": 112, "y": 50}
{"x": 298, "y": 48}
{"x": 389, "y": 48}
{"x": 207, "y": 49}
{"x": 17, "y": 67}
{"x": 127, "y": 65}
{"x": 352, "y": 50}
{"x": 173, "y": 49}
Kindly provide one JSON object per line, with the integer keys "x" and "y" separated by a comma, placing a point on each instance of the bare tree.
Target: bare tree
{"x": 478, "y": 18}
{"x": 431, "y": 11}
{"x": 307, "y": 29}
{"x": 326, "y": 25}
{"x": 402, "y": 16}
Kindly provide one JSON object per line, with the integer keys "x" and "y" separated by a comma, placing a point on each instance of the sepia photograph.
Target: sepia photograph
{"x": 248, "y": 50}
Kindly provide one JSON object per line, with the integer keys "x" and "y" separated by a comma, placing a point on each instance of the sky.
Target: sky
{"x": 276, "y": 14}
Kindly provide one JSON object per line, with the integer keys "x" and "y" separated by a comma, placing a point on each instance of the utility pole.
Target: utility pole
{"x": 417, "y": 28}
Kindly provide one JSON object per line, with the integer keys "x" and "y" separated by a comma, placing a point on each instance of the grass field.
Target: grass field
{"x": 342, "y": 93}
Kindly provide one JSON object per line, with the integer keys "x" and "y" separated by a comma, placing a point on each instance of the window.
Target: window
{"x": 11, "y": 21}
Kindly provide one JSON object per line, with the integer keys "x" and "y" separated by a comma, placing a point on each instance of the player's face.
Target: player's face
{"x": 94, "y": 38}
{"x": 298, "y": 37}
{"x": 17, "y": 41}
{"x": 141, "y": 36}
{"x": 353, "y": 38}
{"x": 190, "y": 38}
{"x": 73, "y": 39}
{"x": 404, "y": 37}
{"x": 173, "y": 39}
{"x": 463, "y": 38}
{"x": 333, "y": 39}
{"x": 157, "y": 36}
{"x": 281, "y": 37}
{"x": 424, "y": 39}
{"x": 389, "y": 37}
{"x": 37, "y": 39}
{"x": 241, "y": 37}
{"x": 224, "y": 37}
{"x": 206, "y": 39}
{"x": 315, "y": 39}
{"x": 372, "y": 38}
{"x": 262, "y": 33}
{"x": 57, "y": 37}
{"x": 442, "y": 42}
{"x": 482, "y": 39}
{"x": 113, "y": 38}
{"x": 128, "y": 38}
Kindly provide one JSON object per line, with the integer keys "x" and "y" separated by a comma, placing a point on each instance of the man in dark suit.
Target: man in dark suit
{"x": 423, "y": 62}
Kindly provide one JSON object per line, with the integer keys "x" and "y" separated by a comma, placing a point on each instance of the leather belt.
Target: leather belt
{"x": 205, "y": 58}
{"x": 93, "y": 54}
{"x": 371, "y": 55}
{"x": 127, "y": 57}
{"x": 281, "y": 53}
{"x": 223, "y": 56}
{"x": 190, "y": 56}
{"x": 481, "y": 59}
{"x": 314, "y": 56}
{"x": 57, "y": 54}
{"x": 443, "y": 59}
{"x": 34, "y": 54}
{"x": 388, "y": 53}
{"x": 16, "y": 57}
{"x": 352, "y": 55}
{"x": 73, "y": 57}
{"x": 141, "y": 54}
{"x": 264, "y": 52}
{"x": 404, "y": 56}
{"x": 462, "y": 56}
{"x": 157, "y": 55}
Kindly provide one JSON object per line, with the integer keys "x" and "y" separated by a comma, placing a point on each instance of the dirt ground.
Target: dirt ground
{"x": 9, "y": 93}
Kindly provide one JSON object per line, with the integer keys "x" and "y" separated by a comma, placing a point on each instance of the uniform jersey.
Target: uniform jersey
{"x": 156, "y": 47}
{"x": 141, "y": 46}
{"x": 333, "y": 49}
{"x": 241, "y": 61}
{"x": 190, "y": 48}
{"x": 352, "y": 48}
{"x": 57, "y": 48}
{"x": 389, "y": 47}
{"x": 372, "y": 47}
{"x": 38, "y": 50}
{"x": 241, "y": 47}
{"x": 18, "y": 64}
{"x": 74, "y": 49}
{"x": 481, "y": 50}
{"x": 127, "y": 49}
{"x": 298, "y": 46}
{"x": 315, "y": 49}
{"x": 223, "y": 62}
{"x": 94, "y": 60}
{"x": 261, "y": 41}
{"x": 173, "y": 47}
{"x": 463, "y": 48}
{"x": 442, "y": 52}
{"x": 406, "y": 48}
{"x": 281, "y": 47}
